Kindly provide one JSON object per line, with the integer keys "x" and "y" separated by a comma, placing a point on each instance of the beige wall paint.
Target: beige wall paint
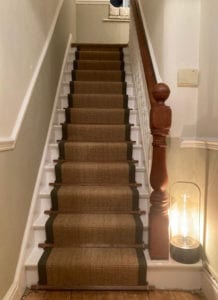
{"x": 24, "y": 26}
{"x": 92, "y": 29}
{"x": 208, "y": 120}
{"x": 187, "y": 164}
{"x": 19, "y": 167}
{"x": 174, "y": 28}
{"x": 201, "y": 167}
{"x": 183, "y": 33}
{"x": 211, "y": 236}
{"x": 208, "y": 89}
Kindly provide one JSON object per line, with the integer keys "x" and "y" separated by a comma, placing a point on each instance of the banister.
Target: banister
{"x": 160, "y": 122}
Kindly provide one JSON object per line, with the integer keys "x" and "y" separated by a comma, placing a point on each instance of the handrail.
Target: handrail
{"x": 160, "y": 122}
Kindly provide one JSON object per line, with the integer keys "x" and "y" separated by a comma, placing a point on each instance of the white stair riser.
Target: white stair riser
{"x": 57, "y": 134}
{"x": 130, "y": 90}
{"x": 60, "y": 117}
{"x": 174, "y": 278}
{"x": 126, "y": 51}
{"x": 48, "y": 175}
{"x": 65, "y": 89}
{"x": 140, "y": 178}
{"x": 135, "y": 135}
{"x": 127, "y": 68}
{"x": 39, "y": 235}
{"x": 45, "y": 203}
{"x": 69, "y": 66}
{"x": 31, "y": 276}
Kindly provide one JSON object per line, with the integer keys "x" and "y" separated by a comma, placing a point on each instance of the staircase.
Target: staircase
{"x": 95, "y": 222}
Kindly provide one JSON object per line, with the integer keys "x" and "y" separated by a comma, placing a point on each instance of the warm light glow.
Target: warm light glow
{"x": 184, "y": 220}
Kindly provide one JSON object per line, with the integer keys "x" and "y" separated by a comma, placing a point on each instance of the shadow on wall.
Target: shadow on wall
{"x": 155, "y": 14}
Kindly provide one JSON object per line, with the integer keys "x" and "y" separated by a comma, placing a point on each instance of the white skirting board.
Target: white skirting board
{"x": 19, "y": 284}
{"x": 200, "y": 143}
{"x": 209, "y": 286}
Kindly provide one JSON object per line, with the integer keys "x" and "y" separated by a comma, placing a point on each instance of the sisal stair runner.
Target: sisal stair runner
{"x": 94, "y": 231}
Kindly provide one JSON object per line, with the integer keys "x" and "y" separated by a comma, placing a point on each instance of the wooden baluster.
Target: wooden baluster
{"x": 160, "y": 121}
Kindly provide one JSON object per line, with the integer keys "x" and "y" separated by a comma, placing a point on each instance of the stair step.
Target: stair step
{"x": 97, "y": 75}
{"x": 72, "y": 153}
{"x": 96, "y": 152}
{"x": 163, "y": 274}
{"x": 122, "y": 266}
{"x": 86, "y": 100}
{"x": 135, "y": 135}
{"x": 68, "y": 230}
{"x": 98, "y": 132}
{"x": 98, "y": 47}
{"x": 86, "y": 173}
{"x": 99, "y": 55}
{"x": 98, "y": 65}
{"x": 97, "y": 87}
{"x": 98, "y": 100}
{"x": 85, "y": 75}
{"x": 141, "y": 246}
{"x": 96, "y": 116}
{"x": 49, "y": 177}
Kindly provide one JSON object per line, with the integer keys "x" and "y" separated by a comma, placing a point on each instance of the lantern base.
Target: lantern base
{"x": 185, "y": 256}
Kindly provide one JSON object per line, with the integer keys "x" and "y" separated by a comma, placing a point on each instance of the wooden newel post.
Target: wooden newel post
{"x": 160, "y": 122}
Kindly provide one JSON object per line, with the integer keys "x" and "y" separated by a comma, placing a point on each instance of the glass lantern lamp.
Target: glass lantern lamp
{"x": 185, "y": 222}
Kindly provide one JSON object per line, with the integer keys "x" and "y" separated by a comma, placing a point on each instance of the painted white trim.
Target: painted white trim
{"x": 12, "y": 292}
{"x": 119, "y": 20}
{"x": 209, "y": 286}
{"x": 201, "y": 143}
{"x": 151, "y": 49}
{"x": 92, "y": 2}
{"x": 8, "y": 143}
{"x": 19, "y": 283}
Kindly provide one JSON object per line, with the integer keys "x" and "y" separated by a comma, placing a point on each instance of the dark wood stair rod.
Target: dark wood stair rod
{"x": 160, "y": 122}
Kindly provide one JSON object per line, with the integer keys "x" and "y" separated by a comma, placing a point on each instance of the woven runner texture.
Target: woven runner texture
{"x": 94, "y": 235}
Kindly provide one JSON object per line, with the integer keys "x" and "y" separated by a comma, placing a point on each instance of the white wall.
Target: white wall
{"x": 24, "y": 26}
{"x": 174, "y": 28}
{"x": 208, "y": 120}
{"x": 92, "y": 29}
{"x": 208, "y": 89}
{"x": 184, "y": 35}
{"x": 19, "y": 167}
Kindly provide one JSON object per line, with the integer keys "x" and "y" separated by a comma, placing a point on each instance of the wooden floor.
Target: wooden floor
{"x": 150, "y": 295}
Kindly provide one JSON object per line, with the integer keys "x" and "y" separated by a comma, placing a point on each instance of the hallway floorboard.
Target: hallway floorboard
{"x": 150, "y": 295}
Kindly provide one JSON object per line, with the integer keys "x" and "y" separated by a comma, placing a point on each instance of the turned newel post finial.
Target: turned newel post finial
{"x": 161, "y": 92}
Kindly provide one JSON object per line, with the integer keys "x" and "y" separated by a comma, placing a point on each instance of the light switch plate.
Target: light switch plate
{"x": 188, "y": 77}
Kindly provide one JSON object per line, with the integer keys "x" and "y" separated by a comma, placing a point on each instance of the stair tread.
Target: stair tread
{"x": 96, "y": 116}
{"x": 120, "y": 265}
{"x": 95, "y": 220}
{"x": 66, "y": 230}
